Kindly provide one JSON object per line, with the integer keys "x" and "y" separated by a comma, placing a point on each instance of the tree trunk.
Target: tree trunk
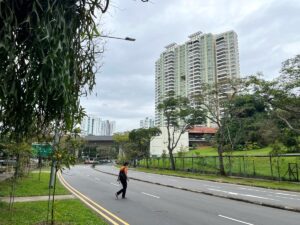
{"x": 14, "y": 182}
{"x": 53, "y": 197}
{"x": 173, "y": 166}
{"x": 221, "y": 162}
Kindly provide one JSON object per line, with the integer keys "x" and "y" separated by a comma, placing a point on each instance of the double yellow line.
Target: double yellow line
{"x": 110, "y": 217}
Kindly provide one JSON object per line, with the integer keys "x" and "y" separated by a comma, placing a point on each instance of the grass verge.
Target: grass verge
{"x": 289, "y": 186}
{"x": 66, "y": 212}
{"x": 31, "y": 186}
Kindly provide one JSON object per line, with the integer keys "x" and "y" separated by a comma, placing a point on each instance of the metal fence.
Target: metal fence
{"x": 282, "y": 167}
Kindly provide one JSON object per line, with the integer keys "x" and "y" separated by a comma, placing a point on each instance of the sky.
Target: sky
{"x": 268, "y": 33}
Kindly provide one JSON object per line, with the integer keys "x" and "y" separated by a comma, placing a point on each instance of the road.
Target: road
{"x": 268, "y": 196}
{"x": 149, "y": 204}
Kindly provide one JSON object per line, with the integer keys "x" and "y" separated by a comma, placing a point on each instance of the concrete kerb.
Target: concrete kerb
{"x": 293, "y": 209}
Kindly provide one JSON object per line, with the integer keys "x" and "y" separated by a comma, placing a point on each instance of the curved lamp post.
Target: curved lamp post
{"x": 125, "y": 39}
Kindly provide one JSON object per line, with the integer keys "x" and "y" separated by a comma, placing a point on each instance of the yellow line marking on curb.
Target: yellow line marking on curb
{"x": 89, "y": 202}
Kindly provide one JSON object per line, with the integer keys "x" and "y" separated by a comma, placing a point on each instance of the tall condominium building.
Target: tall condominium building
{"x": 204, "y": 58}
{"x": 92, "y": 125}
{"x": 147, "y": 123}
{"x": 108, "y": 127}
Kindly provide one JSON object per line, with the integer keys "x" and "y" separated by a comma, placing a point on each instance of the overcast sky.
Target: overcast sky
{"x": 268, "y": 33}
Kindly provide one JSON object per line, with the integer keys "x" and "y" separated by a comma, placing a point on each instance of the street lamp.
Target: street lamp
{"x": 125, "y": 39}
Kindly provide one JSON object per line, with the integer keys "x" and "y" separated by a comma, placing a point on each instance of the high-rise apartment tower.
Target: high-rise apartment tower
{"x": 204, "y": 58}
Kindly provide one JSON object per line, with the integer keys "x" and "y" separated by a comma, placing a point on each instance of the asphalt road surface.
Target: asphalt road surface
{"x": 150, "y": 204}
{"x": 273, "y": 197}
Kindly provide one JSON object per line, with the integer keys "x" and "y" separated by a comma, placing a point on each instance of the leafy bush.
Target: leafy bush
{"x": 276, "y": 149}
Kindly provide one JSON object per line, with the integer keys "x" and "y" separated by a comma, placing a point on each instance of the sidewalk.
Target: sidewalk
{"x": 285, "y": 200}
{"x": 36, "y": 198}
{"x": 4, "y": 176}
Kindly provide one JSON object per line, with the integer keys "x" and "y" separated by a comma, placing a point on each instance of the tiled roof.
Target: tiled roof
{"x": 203, "y": 130}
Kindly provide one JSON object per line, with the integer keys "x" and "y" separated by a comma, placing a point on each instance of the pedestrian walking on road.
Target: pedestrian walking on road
{"x": 123, "y": 179}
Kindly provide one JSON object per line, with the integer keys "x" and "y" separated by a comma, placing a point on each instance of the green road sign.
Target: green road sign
{"x": 42, "y": 149}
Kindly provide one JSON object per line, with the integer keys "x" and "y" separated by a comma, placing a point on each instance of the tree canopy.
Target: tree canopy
{"x": 47, "y": 59}
{"x": 178, "y": 116}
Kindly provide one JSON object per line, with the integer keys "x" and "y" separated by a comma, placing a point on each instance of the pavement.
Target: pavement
{"x": 36, "y": 198}
{"x": 285, "y": 200}
{"x": 4, "y": 176}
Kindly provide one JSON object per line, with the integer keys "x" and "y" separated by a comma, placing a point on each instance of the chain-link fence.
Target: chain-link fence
{"x": 282, "y": 167}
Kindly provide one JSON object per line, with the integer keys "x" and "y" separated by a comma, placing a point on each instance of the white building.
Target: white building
{"x": 92, "y": 125}
{"x": 108, "y": 128}
{"x": 147, "y": 123}
{"x": 159, "y": 143}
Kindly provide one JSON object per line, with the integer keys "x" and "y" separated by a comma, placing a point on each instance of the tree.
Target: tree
{"x": 282, "y": 93}
{"x": 141, "y": 139}
{"x": 213, "y": 102}
{"x": 179, "y": 116}
{"x": 47, "y": 61}
{"x": 122, "y": 140}
{"x": 249, "y": 115}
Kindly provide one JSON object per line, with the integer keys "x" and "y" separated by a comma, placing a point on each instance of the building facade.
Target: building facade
{"x": 92, "y": 125}
{"x": 204, "y": 58}
{"x": 147, "y": 123}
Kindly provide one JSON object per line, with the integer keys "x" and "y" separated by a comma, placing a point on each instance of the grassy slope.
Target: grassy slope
{"x": 210, "y": 151}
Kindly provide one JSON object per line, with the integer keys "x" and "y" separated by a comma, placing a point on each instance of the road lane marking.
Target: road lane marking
{"x": 154, "y": 196}
{"x": 278, "y": 193}
{"x": 249, "y": 189}
{"x": 99, "y": 209}
{"x": 211, "y": 186}
{"x": 285, "y": 197}
{"x": 115, "y": 184}
{"x": 240, "y": 221}
{"x": 234, "y": 193}
{"x": 273, "y": 194}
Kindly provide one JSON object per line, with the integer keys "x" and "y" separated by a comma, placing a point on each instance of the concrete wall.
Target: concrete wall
{"x": 160, "y": 143}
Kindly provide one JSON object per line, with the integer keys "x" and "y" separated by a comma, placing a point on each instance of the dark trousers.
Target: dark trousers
{"x": 123, "y": 190}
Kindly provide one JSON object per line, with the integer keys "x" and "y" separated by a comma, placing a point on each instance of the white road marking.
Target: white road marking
{"x": 273, "y": 194}
{"x": 240, "y": 221}
{"x": 115, "y": 184}
{"x": 227, "y": 192}
{"x": 211, "y": 186}
{"x": 278, "y": 193}
{"x": 234, "y": 193}
{"x": 250, "y": 189}
{"x": 285, "y": 197}
{"x": 154, "y": 196}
